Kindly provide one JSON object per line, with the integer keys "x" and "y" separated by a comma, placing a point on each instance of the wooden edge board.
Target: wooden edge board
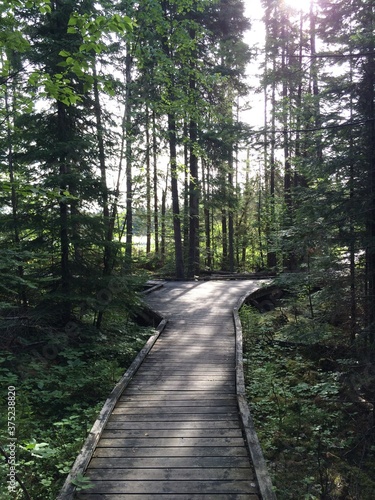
{"x": 155, "y": 287}
{"x": 82, "y": 461}
{"x": 263, "y": 478}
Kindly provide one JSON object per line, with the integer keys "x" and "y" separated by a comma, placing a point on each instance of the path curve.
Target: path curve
{"x": 175, "y": 432}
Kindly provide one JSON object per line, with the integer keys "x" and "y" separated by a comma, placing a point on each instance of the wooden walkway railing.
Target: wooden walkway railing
{"x": 176, "y": 431}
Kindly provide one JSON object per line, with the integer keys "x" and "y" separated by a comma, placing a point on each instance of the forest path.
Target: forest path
{"x": 175, "y": 432}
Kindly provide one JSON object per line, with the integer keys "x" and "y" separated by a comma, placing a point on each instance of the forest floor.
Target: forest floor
{"x": 311, "y": 392}
{"x": 312, "y": 398}
{"x": 59, "y": 391}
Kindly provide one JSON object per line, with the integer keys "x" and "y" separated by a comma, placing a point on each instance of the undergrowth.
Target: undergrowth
{"x": 307, "y": 393}
{"x": 59, "y": 393}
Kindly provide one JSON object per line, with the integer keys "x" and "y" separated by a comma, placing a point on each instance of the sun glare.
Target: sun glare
{"x": 298, "y": 5}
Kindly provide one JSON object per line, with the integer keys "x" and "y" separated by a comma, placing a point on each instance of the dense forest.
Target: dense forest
{"x": 147, "y": 139}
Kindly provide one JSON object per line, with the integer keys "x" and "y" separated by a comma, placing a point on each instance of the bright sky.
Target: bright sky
{"x": 254, "y": 38}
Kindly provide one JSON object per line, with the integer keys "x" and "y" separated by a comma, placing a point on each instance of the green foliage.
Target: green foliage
{"x": 59, "y": 396}
{"x": 81, "y": 482}
{"x": 304, "y": 413}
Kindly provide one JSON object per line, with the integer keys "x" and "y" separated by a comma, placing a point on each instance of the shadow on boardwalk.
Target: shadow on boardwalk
{"x": 175, "y": 431}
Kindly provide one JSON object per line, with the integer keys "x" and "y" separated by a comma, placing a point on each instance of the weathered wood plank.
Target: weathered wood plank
{"x": 177, "y": 409}
{"x": 193, "y": 349}
{"x": 206, "y": 333}
{"x": 175, "y": 403}
{"x": 115, "y": 423}
{"x": 144, "y": 442}
{"x": 190, "y": 336}
{"x": 172, "y": 474}
{"x": 173, "y": 496}
{"x": 225, "y": 387}
{"x": 168, "y": 433}
{"x": 203, "y": 357}
{"x": 165, "y": 417}
{"x": 186, "y": 377}
{"x": 153, "y": 369}
{"x": 198, "y": 366}
{"x": 263, "y": 478}
{"x": 175, "y": 432}
{"x": 179, "y": 384}
{"x": 172, "y": 453}
{"x": 83, "y": 459}
{"x": 175, "y": 398}
{"x": 160, "y": 487}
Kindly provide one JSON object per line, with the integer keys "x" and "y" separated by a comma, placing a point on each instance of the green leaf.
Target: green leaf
{"x": 81, "y": 482}
{"x": 73, "y": 20}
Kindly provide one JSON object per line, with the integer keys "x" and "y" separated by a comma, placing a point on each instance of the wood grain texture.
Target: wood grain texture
{"x": 170, "y": 496}
{"x": 175, "y": 431}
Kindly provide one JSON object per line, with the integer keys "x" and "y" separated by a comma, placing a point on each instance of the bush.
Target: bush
{"x": 58, "y": 398}
{"x": 314, "y": 433}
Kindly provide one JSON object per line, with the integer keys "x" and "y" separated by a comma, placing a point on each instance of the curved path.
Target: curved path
{"x": 175, "y": 432}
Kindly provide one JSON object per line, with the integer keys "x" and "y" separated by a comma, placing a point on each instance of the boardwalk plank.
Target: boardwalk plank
{"x": 175, "y": 432}
{"x": 188, "y": 377}
{"x": 213, "y": 385}
{"x": 166, "y": 416}
{"x": 165, "y": 403}
{"x": 168, "y": 433}
{"x": 116, "y": 423}
{"x": 173, "y": 496}
{"x": 173, "y": 452}
{"x": 172, "y": 463}
{"x": 145, "y": 442}
{"x": 151, "y": 369}
{"x": 177, "y": 409}
{"x": 172, "y": 474}
{"x": 197, "y": 367}
{"x": 172, "y": 396}
{"x": 172, "y": 487}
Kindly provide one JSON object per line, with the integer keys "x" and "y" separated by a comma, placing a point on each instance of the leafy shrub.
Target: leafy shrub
{"x": 57, "y": 399}
{"x": 314, "y": 436}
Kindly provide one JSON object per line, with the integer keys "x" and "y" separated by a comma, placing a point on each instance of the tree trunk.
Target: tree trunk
{"x": 224, "y": 232}
{"x": 103, "y": 175}
{"x": 207, "y": 220}
{"x": 179, "y": 261}
{"x": 370, "y": 251}
{"x": 14, "y": 201}
{"x": 63, "y": 127}
{"x": 108, "y": 233}
{"x": 231, "y": 214}
{"x": 271, "y": 254}
{"x": 155, "y": 167}
{"x": 193, "y": 267}
{"x": 287, "y": 166}
{"x": 129, "y": 161}
{"x": 186, "y": 224}
{"x": 148, "y": 185}
{"x": 163, "y": 226}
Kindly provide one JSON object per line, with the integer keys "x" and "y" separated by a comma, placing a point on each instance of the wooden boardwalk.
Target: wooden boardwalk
{"x": 175, "y": 432}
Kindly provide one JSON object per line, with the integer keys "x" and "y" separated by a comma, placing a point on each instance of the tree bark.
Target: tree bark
{"x": 14, "y": 199}
{"x": 224, "y": 232}
{"x": 179, "y": 261}
{"x": 155, "y": 168}
{"x": 207, "y": 219}
{"x": 63, "y": 127}
{"x": 148, "y": 185}
{"x": 193, "y": 202}
{"x": 129, "y": 162}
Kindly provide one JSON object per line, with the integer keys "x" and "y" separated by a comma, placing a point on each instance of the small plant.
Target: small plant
{"x": 81, "y": 482}
{"x": 59, "y": 399}
{"x": 306, "y": 421}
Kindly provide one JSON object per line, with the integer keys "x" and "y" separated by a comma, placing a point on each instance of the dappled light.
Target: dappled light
{"x": 178, "y": 151}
